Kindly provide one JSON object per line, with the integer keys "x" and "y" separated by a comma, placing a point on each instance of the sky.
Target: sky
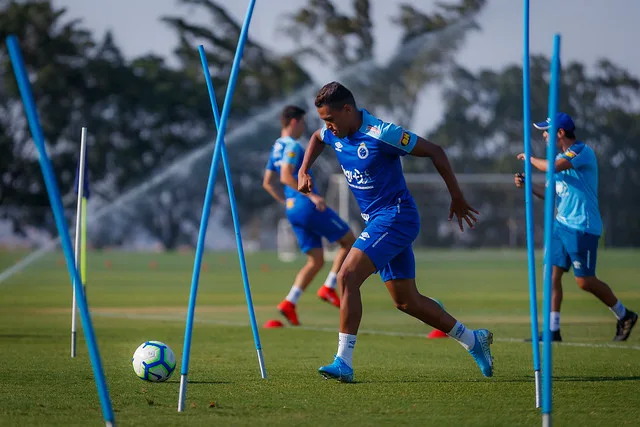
{"x": 590, "y": 29}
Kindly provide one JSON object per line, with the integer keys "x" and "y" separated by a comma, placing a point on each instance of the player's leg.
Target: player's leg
{"x": 584, "y": 268}
{"x": 556, "y": 297}
{"x": 561, "y": 263}
{"x": 310, "y": 244}
{"x": 399, "y": 278}
{"x": 329, "y": 225}
{"x": 556, "y": 302}
{"x": 356, "y": 268}
{"x": 327, "y": 291}
{"x": 384, "y": 237}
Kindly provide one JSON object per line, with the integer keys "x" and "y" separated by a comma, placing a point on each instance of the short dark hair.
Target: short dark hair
{"x": 570, "y": 134}
{"x": 289, "y": 113}
{"x": 334, "y": 95}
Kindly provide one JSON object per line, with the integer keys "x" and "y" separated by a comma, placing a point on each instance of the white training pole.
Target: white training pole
{"x": 81, "y": 163}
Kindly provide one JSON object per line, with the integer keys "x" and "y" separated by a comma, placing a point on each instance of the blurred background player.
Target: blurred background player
{"x": 308, "y": 214}
{"x": 369, "y": 151}
{"x": 578, "y": 226}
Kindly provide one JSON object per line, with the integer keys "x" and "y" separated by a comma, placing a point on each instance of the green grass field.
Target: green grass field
{"x": 402, "y": 378}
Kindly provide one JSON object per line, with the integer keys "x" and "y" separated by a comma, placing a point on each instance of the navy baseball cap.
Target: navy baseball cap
{"x": 563, "y": 121}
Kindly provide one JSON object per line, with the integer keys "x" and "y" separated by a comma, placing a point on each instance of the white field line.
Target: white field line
{"x": 334, "y": 330}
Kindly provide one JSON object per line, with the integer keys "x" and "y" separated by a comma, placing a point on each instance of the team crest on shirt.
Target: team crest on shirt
{"x": 363, "y": 151}
{"x": 570, "y": 154}
{"x": 405, "y": 139}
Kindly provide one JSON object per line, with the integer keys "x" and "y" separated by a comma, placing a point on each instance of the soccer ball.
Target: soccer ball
{"x": 154, "y": 361}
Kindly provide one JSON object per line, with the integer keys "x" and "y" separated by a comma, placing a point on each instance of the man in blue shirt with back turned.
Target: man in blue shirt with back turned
{"x": 578, "y": 226}
{"x": 308, "y": 214}
{"x": 369, "y": 151}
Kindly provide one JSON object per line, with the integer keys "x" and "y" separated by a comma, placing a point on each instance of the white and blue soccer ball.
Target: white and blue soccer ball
{"x": 154, "y": 361}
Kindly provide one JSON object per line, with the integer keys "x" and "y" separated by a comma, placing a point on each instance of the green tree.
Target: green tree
{"x": 482, "y": 128}
{"x": 264, "y": 78}
{"x": 55, "y": 53}
{"x": 342, "y": 40}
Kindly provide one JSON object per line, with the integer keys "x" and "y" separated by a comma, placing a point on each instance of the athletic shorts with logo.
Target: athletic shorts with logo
{"x": 310, "y": 225}
{"x": 387, "y": 240}
{"x": 573, "y": 248}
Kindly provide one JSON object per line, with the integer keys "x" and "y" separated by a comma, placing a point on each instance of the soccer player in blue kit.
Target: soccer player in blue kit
{"x": 308, "y": 214}
{"x": 369, "y": 151}
{"x": 578, "y": 226}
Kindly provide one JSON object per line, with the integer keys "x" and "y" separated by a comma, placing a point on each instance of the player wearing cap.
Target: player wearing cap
{"x": 578, "y": 226}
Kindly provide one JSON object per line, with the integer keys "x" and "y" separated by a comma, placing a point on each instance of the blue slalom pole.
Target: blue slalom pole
{"x": 234, "y": 214}
{"x": 61, "y": 223}
{"x": 549, "y": 206}
{"x": 206, "y": 208}
{"x": 528, "y": 193}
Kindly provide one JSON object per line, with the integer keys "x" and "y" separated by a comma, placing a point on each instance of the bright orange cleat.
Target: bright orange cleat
{"x": 329, "y": 295}
{"x": 288, "y": 310}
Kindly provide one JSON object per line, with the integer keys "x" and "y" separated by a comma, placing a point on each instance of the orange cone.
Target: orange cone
{"x": 273, "y": 324}
{"x": 436, "y": 333}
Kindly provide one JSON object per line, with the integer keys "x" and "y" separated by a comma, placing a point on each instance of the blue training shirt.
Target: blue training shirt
{"x": 577, "y": 190}
{"x": 287, "y": 150}
{"x": 370, "y": 160}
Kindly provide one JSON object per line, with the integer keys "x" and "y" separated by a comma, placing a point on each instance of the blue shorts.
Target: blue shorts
{"x": 387, "y": 240}
{"x": 574, "y": 248}
{"x": 310, "y": 225}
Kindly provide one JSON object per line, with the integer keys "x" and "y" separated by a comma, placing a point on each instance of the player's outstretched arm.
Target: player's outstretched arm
{"x": 459, "y": 206}
{"x": 305, "y": 184}
{"x": 542, "y": 164}
{"x": 536, "y": 189}
{"x": 267, "y": 183}
{"x": 287, "y": 178}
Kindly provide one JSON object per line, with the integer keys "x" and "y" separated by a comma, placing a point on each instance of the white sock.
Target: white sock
{"x": 346, "y": 342}
{"x": 294, "y": 294}
{"x": 331, "y": 280}
{"x": 618, "y": 310}
{"x": 463, "y": 335}
{"x": 554, "y": 321}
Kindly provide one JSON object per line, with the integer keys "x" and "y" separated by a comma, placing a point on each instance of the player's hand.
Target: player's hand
{"x": 519, "y": 180}
{"x": 321, "y": 205}
{"x": 305, "y": 183}
{"x": 520, "y": 156}
{"x": 461, "y": 209}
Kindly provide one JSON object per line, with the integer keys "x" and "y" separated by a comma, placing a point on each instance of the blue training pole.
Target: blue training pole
{"x": 234, "y": 213}
{"x": 61, "y": 223}
{"x": 528, "y": 192}
{"x": 206, "y": 208}
{"x": 549, "y": 205}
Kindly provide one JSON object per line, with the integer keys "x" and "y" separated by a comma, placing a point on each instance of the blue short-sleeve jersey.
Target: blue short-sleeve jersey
{"x": 370, "y": 160}
{"x": 287, "y": 150}
{"x": 577, "y": 190}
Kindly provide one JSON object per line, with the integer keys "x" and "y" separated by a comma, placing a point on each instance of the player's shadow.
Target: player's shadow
{"x": 203, "y": 382}
{"x": 596, "y": 379}
{"x": 442, "y": 381}
{"x": 496, "y": 380}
